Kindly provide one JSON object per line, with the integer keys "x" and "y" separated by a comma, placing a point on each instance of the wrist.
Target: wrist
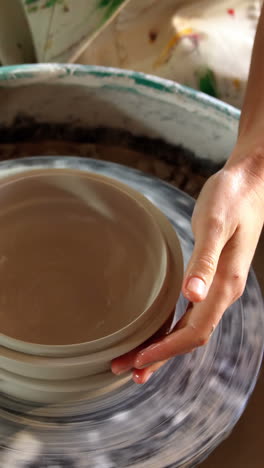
{"x": 246, "y": 164}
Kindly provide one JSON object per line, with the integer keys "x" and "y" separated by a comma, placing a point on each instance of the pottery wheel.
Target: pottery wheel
{"x": 181, "y": 414}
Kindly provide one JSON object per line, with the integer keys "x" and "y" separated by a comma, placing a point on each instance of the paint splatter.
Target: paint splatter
{"x": 34, "y": 5}
{"x": 110, "y": 7}
{"x": 207, "y": 82}
{"x": 31, "y": 5}
{"x": 188, "y": 33}
{"x": 153, "y": 36}
{"x": 51, "y": 3}
{"x": 237, "y": 84}
{"x": 32, "y": 9}
{"x": 165, "y": 54}
{"x": 231, "y": 11}
{"x": 195, "y": 38}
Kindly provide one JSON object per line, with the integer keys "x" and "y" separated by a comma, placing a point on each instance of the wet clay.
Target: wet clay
{"x": 74, "y": 262}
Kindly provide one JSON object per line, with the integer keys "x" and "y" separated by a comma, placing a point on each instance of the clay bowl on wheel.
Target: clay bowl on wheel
{"x": 89, "y": 270}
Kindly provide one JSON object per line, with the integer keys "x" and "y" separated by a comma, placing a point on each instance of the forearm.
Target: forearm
{"x": 252, "y": 116}
{"x": 248, "y": 153}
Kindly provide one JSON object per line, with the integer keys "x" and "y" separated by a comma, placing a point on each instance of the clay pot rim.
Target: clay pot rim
{"x": 119, "y": 340}
{"x": 159, "y": 247}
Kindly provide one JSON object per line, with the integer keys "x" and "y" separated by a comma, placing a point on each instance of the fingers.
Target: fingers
{"x": 141, "y": 376}
{"x": 124, "y": 363}
{"x": 227, "y": 276}
{"x": 210, "y": 237}
{"x": 197, "y": 325}
{"x": 194, "y": 331}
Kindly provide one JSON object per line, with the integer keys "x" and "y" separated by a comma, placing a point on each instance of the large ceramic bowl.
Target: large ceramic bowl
{"x": 91, "y": 269}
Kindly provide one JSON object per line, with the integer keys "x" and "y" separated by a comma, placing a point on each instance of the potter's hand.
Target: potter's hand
{"x": 227, "y": 222}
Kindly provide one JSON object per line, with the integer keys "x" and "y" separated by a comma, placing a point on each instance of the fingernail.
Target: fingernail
{"x": 197, "y": 286}
{"x": 138, "y": 378}
{"x": 141, "y": 362}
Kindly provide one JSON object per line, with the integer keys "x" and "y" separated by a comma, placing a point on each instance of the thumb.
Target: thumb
{"x": 210, "y": 240}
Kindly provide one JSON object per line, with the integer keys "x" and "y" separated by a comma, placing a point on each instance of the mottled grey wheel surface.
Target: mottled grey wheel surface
{"x": 184, "y": 411}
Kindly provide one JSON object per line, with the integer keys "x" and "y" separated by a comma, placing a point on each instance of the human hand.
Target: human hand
{"x": 227, "y": 222}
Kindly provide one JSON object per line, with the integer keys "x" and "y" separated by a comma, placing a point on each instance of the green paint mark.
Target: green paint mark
{"x": 110, "y": 7}
{"x": 33, "y": 5}
{"x": 207, "y": 82}
{"x": 103, "y": 3}
{"x": 50, "y": 3}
